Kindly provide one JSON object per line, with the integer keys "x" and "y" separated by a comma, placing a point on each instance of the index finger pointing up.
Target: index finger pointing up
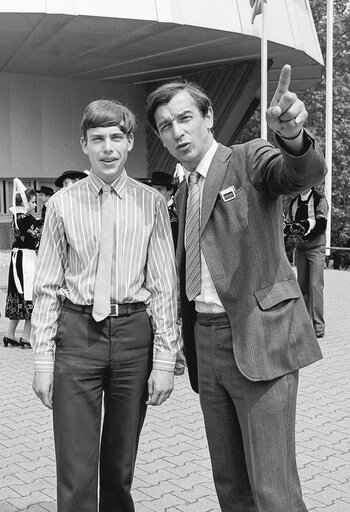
{"x": 283, "y": 84}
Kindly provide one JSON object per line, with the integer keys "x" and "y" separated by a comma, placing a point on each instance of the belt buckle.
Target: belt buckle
{"x": 114, "y": 310}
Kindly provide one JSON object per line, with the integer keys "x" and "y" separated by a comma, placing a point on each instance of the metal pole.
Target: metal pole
{"x": 329, "y": 118}
{"x": 264, "y": 56}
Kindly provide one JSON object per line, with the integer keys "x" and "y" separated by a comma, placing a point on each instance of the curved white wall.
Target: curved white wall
{"x": 294, "y": 28}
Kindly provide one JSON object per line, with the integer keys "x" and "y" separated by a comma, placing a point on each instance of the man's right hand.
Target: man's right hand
{"x": 42, "y": 386}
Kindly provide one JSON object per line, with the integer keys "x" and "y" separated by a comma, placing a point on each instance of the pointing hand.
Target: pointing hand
{"x": 286, "y": 114}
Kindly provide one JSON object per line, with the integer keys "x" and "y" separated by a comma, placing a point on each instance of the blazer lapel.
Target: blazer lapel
{"x": 180, "y": 203}
{"x": 213, "y": 182}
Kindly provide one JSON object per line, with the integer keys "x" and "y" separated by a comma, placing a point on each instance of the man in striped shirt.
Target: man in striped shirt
{"x": 77, "y": 358}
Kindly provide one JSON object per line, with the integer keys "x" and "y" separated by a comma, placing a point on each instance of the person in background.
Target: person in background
{"x": 26, "y": 233}
{"x": 44, "y": 194}
{"x": 246, "y": 329}
{"x": 309, "y": 209}
{"x": 100, "y": 267}
{"x": 69, "y": 177}
{"x": 146, "y": 181}
{"x": 165, "y": 184}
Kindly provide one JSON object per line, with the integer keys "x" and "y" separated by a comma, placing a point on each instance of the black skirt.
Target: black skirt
{"x": 17, "y": 308}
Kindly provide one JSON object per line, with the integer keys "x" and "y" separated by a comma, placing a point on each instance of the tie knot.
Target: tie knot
{"x": 194, "y": 177}
{"x": 106, "y": 189}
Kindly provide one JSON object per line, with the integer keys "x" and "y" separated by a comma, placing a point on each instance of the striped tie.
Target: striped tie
{"x": 193, "y": 259}
{"x": 102, "y": 292}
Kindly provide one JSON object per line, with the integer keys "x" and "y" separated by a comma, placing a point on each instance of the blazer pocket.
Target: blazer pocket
{"x": 279, "y": 292}
{"x": 235, "y": 209}
{"x": 239, "y": 193}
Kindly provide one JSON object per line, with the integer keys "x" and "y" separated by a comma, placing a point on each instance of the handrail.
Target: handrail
{"x": 339, "y": 248}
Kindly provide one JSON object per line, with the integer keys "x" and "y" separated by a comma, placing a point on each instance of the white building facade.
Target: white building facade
{"x": 58, "y": 55}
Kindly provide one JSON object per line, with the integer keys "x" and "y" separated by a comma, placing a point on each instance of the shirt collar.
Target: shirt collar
{"x": 18, "y": 209}
{"x": 304, "y": 197}
{"x": 118, "y": 185}
{"x": 204, "y": 164}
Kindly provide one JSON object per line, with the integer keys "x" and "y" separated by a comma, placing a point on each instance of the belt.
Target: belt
{"x": 116, "y": 309}
{"x": 210, "y": 319}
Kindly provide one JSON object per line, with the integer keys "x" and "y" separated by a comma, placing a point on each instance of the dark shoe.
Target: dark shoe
{"x": 320, "y": 334}
{"x": 9, "y": 341}
{"x": 24, "y": 343}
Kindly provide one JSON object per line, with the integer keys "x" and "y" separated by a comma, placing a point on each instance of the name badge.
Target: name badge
{"x": 228, "y": 194}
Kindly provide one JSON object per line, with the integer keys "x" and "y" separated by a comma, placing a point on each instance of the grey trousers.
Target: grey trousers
{"x": 110, "y": 359}
{"x": 310, "y": 268}
{"x": 250, "y": 427}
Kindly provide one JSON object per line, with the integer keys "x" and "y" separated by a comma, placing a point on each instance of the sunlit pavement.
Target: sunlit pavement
{"x": 173, "y": 469}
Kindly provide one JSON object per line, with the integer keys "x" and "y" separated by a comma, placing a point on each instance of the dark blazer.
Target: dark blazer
{"x": 242, "y": 242}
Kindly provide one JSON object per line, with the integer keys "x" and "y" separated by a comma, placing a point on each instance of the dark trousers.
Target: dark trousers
{"x": 310, "y": 271}
{"x": 250, "y": 427}
{"x": 113, "y": 357}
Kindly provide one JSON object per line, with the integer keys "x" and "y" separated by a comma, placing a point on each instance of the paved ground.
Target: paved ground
{"x": 173, "y": 469}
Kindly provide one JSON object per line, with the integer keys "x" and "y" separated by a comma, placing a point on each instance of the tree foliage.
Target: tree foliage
{"x": 315, "y": 101}
{"x": 316, "y": 104}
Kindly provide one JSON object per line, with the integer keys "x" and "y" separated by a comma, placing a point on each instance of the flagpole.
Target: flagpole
{"x": 329, "y": 119}
{"x": 264, "y": 56}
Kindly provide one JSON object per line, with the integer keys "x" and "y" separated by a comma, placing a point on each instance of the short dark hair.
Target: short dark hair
{"x": 104, "y": 113}
{"x": 163, "y": 94}
{"x": 29, "y": 192}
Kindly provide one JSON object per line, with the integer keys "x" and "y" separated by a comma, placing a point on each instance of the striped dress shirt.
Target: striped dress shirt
{"x": 208, "y": 300}
{"x": 143, "y": 268}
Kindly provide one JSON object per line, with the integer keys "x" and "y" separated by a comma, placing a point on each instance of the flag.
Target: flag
{"x": 256, "y": 6}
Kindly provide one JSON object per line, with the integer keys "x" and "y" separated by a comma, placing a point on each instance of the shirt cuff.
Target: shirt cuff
{"x": 43, "y": 363}
{"x": 309, "y": 142}
{"x": 164, "y": 361}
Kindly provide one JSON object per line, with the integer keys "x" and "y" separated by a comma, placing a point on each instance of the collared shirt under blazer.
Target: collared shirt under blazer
{"x": 242, "y": 243}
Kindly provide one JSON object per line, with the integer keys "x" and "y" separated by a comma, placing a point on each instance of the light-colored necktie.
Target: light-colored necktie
{"x": 102, "y": 293}
{"x": 193, "y": 257}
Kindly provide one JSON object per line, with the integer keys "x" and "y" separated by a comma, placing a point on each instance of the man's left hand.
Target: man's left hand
{"x": 160, "y": 386}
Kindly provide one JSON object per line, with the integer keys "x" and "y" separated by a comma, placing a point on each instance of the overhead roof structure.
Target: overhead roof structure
{"x": 58, "y": 55}
{"x": 143, "y": 41}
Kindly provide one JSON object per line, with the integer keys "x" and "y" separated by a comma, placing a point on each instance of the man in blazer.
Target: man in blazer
{"x": 246, "y": 329}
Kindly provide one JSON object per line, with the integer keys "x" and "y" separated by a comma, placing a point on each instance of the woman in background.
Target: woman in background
{"x": 26, "y": 233}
